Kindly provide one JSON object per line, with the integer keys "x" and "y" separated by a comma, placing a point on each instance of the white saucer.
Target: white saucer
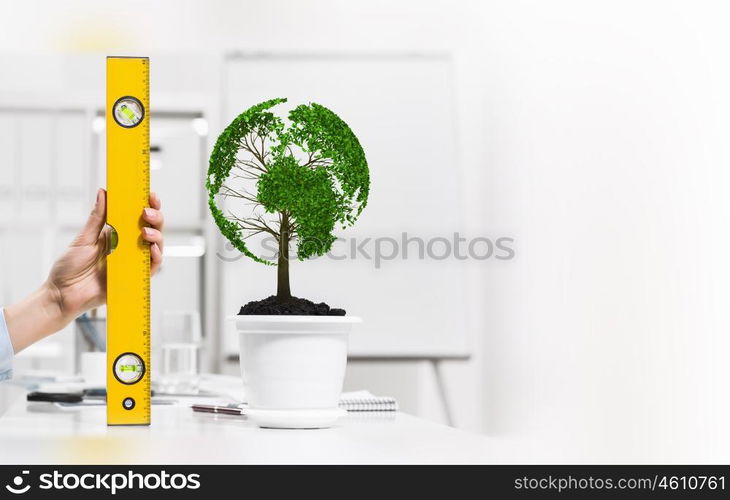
{"x": 295, "y": 419}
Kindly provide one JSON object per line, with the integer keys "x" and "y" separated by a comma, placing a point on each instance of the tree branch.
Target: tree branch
{"x": 232, "y": 193}
{"x": 319, "y": 161}
{"x": 249, "y": 164}
{"x": 251, "y": 225}
{"x": 251, "y": 148}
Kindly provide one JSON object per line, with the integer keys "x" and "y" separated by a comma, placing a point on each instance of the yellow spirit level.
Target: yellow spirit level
{"x": 128, "y": 265}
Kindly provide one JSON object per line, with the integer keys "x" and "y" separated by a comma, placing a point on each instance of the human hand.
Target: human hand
{"x": 78, "y": 277}
{"x": 77, "y": 281}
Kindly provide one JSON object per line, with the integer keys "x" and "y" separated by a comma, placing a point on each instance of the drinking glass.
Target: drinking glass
{"x": 180, "y": 352}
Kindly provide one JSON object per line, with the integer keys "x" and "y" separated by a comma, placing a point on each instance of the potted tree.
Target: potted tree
{"x": 294, "y": 181}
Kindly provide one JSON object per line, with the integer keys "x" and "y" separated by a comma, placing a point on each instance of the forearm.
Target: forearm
{"x": 35, "y": 317}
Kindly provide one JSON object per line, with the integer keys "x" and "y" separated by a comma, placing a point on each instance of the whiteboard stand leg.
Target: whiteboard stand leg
{"x": 441, "y": 385}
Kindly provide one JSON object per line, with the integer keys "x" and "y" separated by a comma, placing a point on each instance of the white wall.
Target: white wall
{"x": 593, "y": 132}
{"x": 606, "y": 153}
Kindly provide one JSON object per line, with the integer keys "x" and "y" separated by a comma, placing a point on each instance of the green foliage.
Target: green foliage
{"x": 326, "y": 183}
{"x": 255, "y": 120}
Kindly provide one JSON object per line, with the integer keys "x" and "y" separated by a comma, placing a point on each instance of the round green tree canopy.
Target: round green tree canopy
{"x": 305, "y": 175}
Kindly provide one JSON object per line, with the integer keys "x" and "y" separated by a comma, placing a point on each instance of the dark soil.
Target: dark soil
{"x": 291, "y": 307}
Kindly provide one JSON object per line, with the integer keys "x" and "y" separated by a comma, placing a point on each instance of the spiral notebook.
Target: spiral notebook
{"x": 365, "y": 401}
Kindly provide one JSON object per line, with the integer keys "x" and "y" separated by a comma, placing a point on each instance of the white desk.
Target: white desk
{"x": 41, "y": 433}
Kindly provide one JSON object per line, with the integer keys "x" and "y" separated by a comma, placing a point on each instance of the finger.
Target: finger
{"x": 155, "y": 201}
{"x": 154, "y": 217}
{"x": 155, "y": 257}
{"x": 152, "y": 235}
{"x": 106, "y": 242}
{"x": 89, "y": 235}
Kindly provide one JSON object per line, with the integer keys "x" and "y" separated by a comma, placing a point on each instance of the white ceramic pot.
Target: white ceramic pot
{"x": 293, "y": 368}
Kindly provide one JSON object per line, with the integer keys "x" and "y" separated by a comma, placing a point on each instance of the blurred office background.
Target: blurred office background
{"x": 593, "y": 133}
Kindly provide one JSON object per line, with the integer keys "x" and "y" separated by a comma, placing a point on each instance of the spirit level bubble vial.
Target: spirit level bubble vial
{"x": 128, "y": 264}
{"x": 128, "y": 112}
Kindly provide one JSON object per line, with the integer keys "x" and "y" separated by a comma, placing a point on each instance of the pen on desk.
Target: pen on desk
{"x": 227, "y": 410}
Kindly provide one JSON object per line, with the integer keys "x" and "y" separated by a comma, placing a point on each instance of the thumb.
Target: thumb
{"x": 95, "y": 223}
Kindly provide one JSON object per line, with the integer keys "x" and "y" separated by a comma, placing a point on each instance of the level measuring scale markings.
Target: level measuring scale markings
{"x": 128, "y": 264}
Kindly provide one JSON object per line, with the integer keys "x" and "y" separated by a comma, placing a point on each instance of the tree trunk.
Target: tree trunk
{"x": 283, "y": 292}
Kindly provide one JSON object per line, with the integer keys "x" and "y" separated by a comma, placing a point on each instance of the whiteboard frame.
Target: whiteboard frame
{"x": 433, "y": 358}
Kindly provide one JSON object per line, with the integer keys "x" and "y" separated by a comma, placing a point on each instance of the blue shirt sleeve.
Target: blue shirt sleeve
{"x": 6, "y": 350}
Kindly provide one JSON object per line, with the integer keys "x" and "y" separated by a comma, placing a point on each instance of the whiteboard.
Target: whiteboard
{"x": 402, "y": 108}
